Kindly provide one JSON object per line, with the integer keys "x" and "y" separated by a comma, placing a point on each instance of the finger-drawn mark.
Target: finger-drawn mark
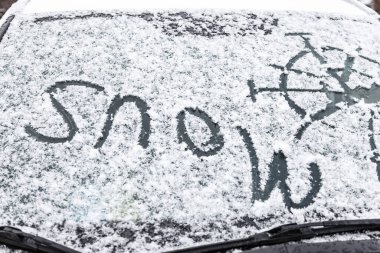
{"x": 308, "y": 45}
{"x": 278, "y": 174}
{"x": 66, "y": 116}
{"x": 64, "y": 84}
{"x": 116, "y": 103}
{"x": 349, "y": 96}
{"x": 284, "y": 84}
{"x": 376, "y": 155}
{"x": 216, "y": 141}
{"x": 324, "y": 113}
{"x": 5, "y": 26}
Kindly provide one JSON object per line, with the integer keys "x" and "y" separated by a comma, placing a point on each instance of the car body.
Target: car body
{"x": 154, "y": 129}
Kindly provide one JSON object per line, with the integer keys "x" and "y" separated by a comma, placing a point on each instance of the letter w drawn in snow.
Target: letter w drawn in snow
{"x": 278, "y": 174}
{"x": 117, "y": 102}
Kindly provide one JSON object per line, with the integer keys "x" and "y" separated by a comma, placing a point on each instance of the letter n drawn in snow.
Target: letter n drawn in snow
{"x": 118, "y": 102}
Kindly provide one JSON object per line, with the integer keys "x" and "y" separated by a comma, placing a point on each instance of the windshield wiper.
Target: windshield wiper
{"x": 16, "y": 239}
{"x": 288, "y": 233}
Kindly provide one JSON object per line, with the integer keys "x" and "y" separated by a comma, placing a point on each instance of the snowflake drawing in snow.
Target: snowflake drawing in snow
{"x": 349, "y": 96}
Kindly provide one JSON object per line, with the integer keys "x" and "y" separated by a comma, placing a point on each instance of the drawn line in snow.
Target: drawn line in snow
{"x": 116, "y": 103}
{"x": 216, "y": 141}
{"x": 376, "y": 155}
{"x": 64, "y": 84}
{"x": 67, "y": 117}
{"x": 278, "y": 175}
{"x": 5, "y": 26}
{"x": 349, "y": 96}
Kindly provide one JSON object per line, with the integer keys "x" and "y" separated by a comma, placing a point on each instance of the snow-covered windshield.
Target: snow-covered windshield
{"x": 152, "y": 130}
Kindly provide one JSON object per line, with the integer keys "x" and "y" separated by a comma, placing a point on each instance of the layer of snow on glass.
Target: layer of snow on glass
{"x": 151, "y": 130}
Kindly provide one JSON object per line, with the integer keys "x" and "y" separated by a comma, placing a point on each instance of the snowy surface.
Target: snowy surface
{"x": 366, "y": 2}
{"x": 146, "y": 187}
{"x": 335, "y": 6}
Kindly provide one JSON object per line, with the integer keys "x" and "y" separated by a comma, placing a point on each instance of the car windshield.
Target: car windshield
{"x": 145, "y": 131}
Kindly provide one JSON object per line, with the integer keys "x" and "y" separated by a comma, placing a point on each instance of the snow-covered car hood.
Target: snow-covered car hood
{"x": 153, "y": 130}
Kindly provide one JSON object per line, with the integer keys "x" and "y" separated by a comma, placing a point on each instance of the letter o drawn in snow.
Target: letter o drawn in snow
{"x": 214, "y": 144}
